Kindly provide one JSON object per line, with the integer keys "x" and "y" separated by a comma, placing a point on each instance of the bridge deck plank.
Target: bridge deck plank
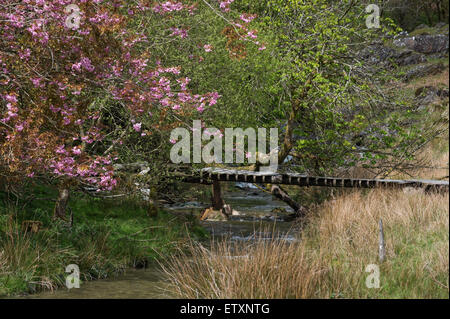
{"x": 223, "y": 174}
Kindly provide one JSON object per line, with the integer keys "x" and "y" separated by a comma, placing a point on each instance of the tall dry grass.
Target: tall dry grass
{"x": 436, "y": 158}
{"x": 262, "y": 269}
{"x": 340, "y": 240}
{"x": 416, "y": 225}
{"x": 431, "y": 80}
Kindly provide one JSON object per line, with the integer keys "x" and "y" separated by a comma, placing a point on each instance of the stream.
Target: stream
{"x": 260, "y": 214}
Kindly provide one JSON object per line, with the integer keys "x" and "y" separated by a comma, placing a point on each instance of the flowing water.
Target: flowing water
{"x": 260, "y": 214}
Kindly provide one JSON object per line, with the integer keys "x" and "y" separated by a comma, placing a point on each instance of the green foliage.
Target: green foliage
{"x": 309, "y": 74}
{"x": 339, "y": 113}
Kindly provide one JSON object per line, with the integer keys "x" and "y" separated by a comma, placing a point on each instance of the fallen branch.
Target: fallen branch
{"x": 281, "y": 194}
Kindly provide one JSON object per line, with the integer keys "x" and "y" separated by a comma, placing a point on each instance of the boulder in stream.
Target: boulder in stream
{"x": 213, "y": 215}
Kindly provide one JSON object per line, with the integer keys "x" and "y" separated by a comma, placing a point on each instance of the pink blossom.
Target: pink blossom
{"x": 54, "y": 109}
{"x": 76, "y": 150}
{"x": 179, "y": 32}
{"x": 201, "y": 108}
{"x": 11, "y": 98}
{"x": 137, "y": 127}
{"x": 138, "y": 81}
{"x": 76, "y": 67}
{"x": 207, "y": 47}
{"x": 225, "y": 5}
{"x": 66, "y": 120}
{"x": 247, "y": 18}
{"x": 213, "y": 99}
{"x": 60, "y": 150}
{"x": 165, "y": 102}
{"x": 36, "y": 82}
{"x": 252, "y": 34}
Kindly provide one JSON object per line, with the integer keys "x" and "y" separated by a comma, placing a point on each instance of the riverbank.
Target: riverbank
{"x": 330, "y": 259}
{"x": 339, "y": 240}
{"x": 107, "y": 237}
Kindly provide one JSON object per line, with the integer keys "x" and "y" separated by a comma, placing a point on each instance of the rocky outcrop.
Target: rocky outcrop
{"x": 430, "y": 95}
{"x": 380, "y": 55}
{"x": 408, "y": 50}
{"x": 427, "y": 44}
{"x": 435, "y": 91}
{"x": 424, "y": 70}
{"x": 409, "y": 57}
{"x": 377, "y": 53}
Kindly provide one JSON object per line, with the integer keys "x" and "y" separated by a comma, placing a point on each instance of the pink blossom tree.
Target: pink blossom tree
{"x": 59, "y": 63}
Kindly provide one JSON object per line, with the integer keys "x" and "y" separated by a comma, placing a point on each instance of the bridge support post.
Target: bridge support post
{"x": 217, "y": 201}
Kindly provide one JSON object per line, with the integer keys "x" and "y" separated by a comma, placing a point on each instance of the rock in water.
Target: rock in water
{"x": 213, "y": 215}
{"x": 242, "y": 185}
{"x": 228, "y": 211}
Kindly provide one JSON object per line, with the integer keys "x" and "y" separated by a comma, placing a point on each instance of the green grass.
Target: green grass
{"x": 107, "y": 237}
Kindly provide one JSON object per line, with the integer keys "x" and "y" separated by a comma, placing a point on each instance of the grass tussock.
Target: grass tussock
{"x": 329, "y": 261}
{"x": 24, "y": 264}
{"x": 262, "y": 269}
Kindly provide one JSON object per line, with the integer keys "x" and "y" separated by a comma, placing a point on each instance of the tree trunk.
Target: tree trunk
{"x": 429, "y": 16}
{"x": 217, "y": 201}
{"x": 287, "y": 145}
{"x": 288, "y": 141}
{"x": 61, "y": 204}
{"x": 281, "y": 194}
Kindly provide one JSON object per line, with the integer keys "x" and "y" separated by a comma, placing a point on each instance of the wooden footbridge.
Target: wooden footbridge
{"x": 210, "y": 174}
{"x": 214, "y": 175}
